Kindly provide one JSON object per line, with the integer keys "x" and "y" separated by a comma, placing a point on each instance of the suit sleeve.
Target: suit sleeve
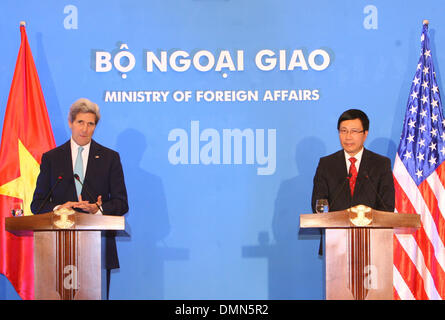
{"x": 320, "y": 188}
{"x": 386, "y": 188}
{"x": 117, "y": 204}
{"x": 43, "y": 187}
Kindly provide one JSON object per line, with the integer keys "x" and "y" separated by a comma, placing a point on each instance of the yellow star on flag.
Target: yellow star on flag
{"x": 23, "y": 186}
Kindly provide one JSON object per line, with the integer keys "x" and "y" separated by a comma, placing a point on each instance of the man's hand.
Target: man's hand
{"x": 92, "y": 208}
{"x": 69, "y": 204}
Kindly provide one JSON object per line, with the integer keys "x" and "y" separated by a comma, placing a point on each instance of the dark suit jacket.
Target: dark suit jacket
{"x": 104, "y": 176}
{"x": 374, "y": 185}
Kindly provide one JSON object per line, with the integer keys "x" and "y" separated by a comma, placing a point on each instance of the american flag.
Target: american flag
{"x": 419, "y": 177}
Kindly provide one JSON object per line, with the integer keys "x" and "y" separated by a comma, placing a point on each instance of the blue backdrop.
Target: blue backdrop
{"x": 220, "y": 110}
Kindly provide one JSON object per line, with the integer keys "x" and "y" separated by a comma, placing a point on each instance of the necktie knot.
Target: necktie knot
{"x": 352, "y": 160}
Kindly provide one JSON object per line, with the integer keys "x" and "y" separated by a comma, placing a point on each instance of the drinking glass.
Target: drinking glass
{"x": 322, "y": 205}
{"x": 17, "y": 207}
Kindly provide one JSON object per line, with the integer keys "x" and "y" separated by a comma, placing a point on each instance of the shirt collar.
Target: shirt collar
{"x": 358, "y": 156}
{"x": 75, "y": 146}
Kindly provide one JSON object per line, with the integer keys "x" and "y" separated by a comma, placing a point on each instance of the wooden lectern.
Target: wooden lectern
{"x": 67, "y": 252}
{"x": 359, "y": 250}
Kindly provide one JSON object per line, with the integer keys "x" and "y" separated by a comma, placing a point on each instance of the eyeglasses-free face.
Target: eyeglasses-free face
{"x": 82, "y": 128}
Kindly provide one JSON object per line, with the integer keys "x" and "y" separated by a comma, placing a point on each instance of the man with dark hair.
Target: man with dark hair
{"x": 354, "y": 175}
{"x": 352, "y": 114}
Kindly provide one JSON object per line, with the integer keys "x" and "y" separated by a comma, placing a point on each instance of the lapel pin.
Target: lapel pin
{"x": 97, "y": 157}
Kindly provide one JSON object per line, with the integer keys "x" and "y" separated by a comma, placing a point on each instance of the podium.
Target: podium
{"x": 67, "y": 252}
{"x": 359, "y": 250}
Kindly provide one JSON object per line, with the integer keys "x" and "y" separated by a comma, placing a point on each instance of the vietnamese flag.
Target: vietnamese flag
{"x": 26, "y": 135}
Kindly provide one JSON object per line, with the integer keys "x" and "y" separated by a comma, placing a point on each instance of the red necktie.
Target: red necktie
{"x": 353, "y": 174}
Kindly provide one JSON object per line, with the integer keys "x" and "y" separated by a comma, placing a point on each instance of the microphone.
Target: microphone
{"x": 365, "y": 173}
{"x": 59, "y": 178}
{"x": 340, "y": 190}
{"x": 76, "y": 176}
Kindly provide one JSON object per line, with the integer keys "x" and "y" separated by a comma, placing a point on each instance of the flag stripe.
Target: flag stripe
{"x": 423, "y": 244}
{"x": 437, "y": 188}
{"x": 410, "y": 247}
{"x": 431, "y": 202}
{"x": 406, "y": 266}
{"x": 441, "y": 174}
{"x": 418, "y": 202}
{"x": 431, "y": 263}
{"x": 401, "y": 290}
{"x": 431, "y": 190}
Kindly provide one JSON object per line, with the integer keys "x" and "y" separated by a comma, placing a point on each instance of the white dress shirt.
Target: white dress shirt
{"x": 358, "y": 156}
{"x": 85, "y": 153}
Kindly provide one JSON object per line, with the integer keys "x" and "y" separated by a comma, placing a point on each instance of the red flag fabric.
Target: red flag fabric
{"x": 419, "y": 176}
{"x": 26, "y": 135}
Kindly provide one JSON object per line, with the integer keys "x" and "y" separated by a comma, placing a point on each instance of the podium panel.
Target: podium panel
{"x": 358, "y": 267}
{"x": 60, "y": 271}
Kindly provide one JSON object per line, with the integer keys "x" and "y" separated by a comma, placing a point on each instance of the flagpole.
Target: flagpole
{"x": 426, "y": 21}
{"x": 23, "y": 23}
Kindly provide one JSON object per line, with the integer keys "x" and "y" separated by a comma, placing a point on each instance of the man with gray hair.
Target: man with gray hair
{"x": 102, "y": 190}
